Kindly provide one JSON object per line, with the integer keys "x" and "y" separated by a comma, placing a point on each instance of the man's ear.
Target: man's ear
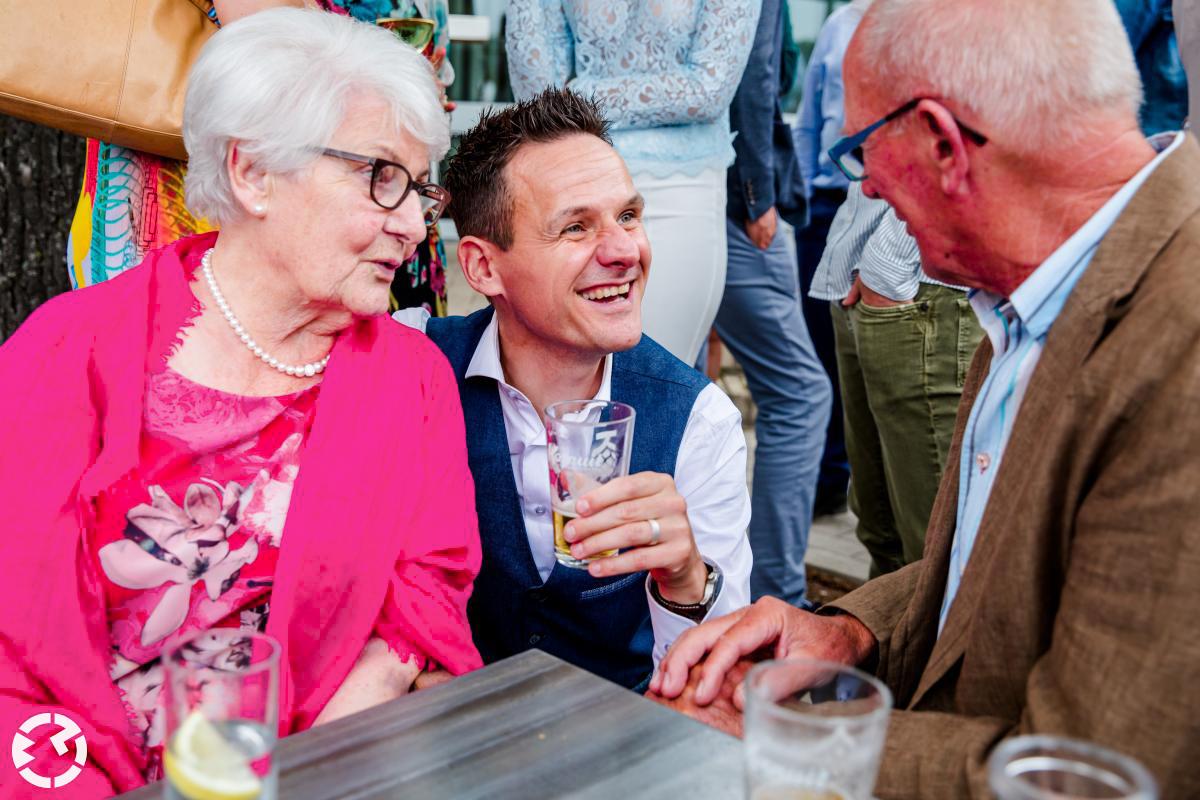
{"x": 946, "y": 148}
{"x": 250, "y": 182}
{"x": 478, "y": 258}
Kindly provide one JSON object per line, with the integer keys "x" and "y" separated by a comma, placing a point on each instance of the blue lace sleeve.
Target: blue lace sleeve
{"x": 697, "y": 90}
{"x": 541, "y": 50}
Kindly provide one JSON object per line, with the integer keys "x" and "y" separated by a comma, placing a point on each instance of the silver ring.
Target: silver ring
{"x": 655, "y": 532}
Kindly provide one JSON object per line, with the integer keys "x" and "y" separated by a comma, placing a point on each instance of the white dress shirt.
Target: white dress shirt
{"x": 710, "y": 474}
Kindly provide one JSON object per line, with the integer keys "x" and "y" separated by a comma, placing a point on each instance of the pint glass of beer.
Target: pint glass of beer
{"x": 589, "y": 443}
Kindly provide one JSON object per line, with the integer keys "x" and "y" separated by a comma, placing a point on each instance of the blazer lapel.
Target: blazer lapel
{"x": 1160, "y": 207}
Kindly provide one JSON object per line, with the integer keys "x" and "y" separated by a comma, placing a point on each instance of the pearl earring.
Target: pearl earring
{"x": 260, "y": 209}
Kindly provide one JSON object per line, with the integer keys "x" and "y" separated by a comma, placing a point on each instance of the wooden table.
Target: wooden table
{"x": 531, "y": 726}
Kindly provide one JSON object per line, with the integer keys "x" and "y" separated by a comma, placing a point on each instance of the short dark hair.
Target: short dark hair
{"x": 481, "y": 204}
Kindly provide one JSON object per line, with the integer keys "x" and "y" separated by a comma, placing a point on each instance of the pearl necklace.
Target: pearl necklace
{"x": 301, "y": 371}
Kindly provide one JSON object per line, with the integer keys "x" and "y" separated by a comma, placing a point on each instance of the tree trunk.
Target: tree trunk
{"x": 41, "y": 171}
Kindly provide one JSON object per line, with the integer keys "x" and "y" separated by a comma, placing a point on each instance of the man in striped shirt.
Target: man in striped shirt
{"x": 904, "y": 342}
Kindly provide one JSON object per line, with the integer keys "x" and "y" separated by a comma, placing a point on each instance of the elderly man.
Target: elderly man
{"x": 1059, "y": 585}
{"x": 552, "y": 235}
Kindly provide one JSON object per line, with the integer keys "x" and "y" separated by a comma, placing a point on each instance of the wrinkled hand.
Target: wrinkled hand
{"x": 768, "y": 623}
{"x": 762, "y": 230}
{"x": 861, "y": 292}
{"x": 721, "y": 714}
{"x": 616, "y": 515}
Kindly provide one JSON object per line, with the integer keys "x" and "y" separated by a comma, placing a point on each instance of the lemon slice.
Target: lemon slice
{"x": 202, "y": 765}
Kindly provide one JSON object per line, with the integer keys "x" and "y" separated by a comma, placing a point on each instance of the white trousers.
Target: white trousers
{"x": 685, "y": 223}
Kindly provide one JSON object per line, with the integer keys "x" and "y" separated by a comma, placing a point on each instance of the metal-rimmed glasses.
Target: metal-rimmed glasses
{"x": 847, "y": 152}
{"x": 392, "y": 182}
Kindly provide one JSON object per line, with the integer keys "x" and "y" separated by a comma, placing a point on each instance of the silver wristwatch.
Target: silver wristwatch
{"x": 693, "y": 611}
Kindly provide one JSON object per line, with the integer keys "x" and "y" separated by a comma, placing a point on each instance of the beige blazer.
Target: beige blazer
{"x": 1079, "y": 611}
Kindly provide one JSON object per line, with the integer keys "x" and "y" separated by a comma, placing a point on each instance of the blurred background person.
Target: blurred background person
{"x": 664, "y": 73}
{"x": 904, "y": 342}
{"x": 1151, "y": 28}
{"x": 761, "y": 321}
{"x": 818, "y": 125}
{"x": 184, "y": 456}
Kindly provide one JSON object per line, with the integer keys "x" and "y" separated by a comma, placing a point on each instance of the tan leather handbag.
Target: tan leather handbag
{"x": 113, "y": 70}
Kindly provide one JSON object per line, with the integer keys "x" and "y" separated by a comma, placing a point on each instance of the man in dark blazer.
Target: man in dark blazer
{"x": 1061, "y": 575}
{"x": 761, "y": 321}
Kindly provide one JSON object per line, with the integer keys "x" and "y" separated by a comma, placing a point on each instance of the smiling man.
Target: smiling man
{"x": 551, "y": 233}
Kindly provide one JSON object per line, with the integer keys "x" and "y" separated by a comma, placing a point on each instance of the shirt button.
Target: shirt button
{"x": 539, "y": 509}
{"x": 984, "y": 461}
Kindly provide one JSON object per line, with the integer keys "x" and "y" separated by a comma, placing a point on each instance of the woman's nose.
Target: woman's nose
{"x": 407, "y": 220}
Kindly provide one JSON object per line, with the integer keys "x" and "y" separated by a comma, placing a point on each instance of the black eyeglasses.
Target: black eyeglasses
{"x": 847, "y": 152}
{"x": 391, "y": 183}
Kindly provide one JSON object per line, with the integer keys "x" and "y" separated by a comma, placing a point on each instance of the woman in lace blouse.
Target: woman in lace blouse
{"x": 233, "y": 434}
{"x": 665, "y": 72}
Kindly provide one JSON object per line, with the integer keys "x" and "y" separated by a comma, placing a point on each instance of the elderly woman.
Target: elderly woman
{"x": 230, "y": 435}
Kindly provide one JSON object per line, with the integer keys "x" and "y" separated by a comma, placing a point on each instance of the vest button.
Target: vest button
{"x": 537, "y": 637}
{"x": 537, "y": 595}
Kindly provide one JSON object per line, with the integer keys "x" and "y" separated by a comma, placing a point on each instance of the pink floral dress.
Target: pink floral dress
{"x": 189, "y": 541}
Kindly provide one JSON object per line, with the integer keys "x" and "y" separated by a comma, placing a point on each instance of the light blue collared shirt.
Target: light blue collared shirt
{"x": 1017, "y": 328}
{"x": 819, "y": 121}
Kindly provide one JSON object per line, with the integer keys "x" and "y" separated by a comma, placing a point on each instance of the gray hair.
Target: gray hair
{"x": 1036, "y": 71}
{"x": 277, "y": 81}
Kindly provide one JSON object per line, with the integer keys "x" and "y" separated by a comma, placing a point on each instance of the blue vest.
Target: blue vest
{"x": 601, "y": 625}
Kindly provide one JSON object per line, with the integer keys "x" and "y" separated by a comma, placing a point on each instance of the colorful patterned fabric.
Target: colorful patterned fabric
{"x": 132, "y": 202}
{"x": 189, "y": 540}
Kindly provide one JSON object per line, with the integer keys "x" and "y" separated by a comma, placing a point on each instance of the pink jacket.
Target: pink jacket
{"x": 383, "y": 509}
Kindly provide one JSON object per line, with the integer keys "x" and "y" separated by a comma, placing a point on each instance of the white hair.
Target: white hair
{"x": 1034, "y": 72}
{"x": 278, "y": 82}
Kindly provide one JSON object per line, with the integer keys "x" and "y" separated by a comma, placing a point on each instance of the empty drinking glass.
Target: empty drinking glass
{"x": 1058, "y": 768}
{"x": 814, "y": 730}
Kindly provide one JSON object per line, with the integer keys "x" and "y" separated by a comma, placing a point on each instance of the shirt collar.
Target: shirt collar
{"x": 1039, "y": 299}
{"x": 485, "y": 362}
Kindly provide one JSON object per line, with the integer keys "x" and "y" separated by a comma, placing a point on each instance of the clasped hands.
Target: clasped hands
{"x": 702, "y": 673}
{"x": 617, "y": 516}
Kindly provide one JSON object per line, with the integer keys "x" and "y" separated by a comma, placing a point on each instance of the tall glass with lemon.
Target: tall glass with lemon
{"x": 222, "y": 706}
